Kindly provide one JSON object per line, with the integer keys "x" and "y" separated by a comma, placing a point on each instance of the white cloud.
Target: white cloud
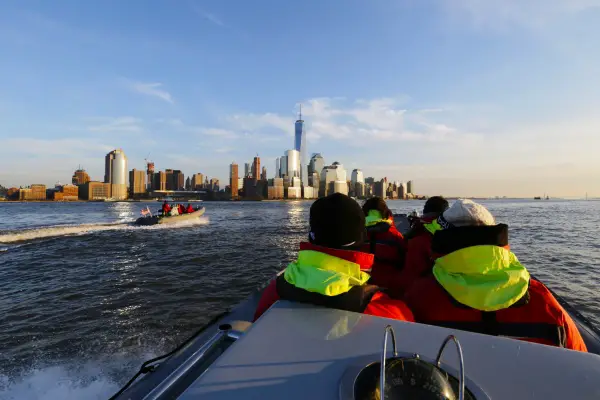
{"x": 208, "y": 16}
{"x": 116, "y": 125}
{"x": 152, "y": 89}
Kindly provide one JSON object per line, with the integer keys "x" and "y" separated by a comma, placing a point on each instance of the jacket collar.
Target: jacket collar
{"x": 365, "y": 260}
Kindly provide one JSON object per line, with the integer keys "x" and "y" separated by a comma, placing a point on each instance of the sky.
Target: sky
{"x": 464, "y": 97}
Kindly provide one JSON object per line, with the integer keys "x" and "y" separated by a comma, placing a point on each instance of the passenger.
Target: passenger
{"x": 418, "y": 260}
{"x": 385, "y": 242}
{"x": 330, "y": 271}
{"x": 189, "y": 209}
{"x": 479, "y": 285}
{"x": 180, "y": 209}
{"x": 166, "y": 208}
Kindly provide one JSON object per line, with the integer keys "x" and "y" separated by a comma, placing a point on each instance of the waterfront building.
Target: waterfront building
{"x": 333, "y": 180}
{"x": 150, "y": 174}
{"x": 316, "y": 165}
{"x": 409, "y": 187}
{"x": 256, "y": 168}
{"x": 380, "y": 189}
{"x": 137, "y": 183}
{"x": 369, "y": 181}
{"x": 36, "y": 192}
{"x": 214, "y": 184}
{"x": 233, "y": 180}
{"x": 197, "y": 181}
{"x": 283, "y": 166}
{"x": 115, "y": 173}
{"x": 80, "y": 177}
{"x": 292, "y": 163}
{"x": 402, "y": 191}
{"x": 357, "y": 176}
{"x": 313, "y": 180}
{"x": 300, "y": 146}
{"x": 275, "y": 191}
{"x": 246, "y": 170}
{"x": 95, "y": 191}
{"x": 188, "y": 183}
{"x": 277, "y": 167}
{"x": 263, "y": 175}
{"x": 159, "y": 181}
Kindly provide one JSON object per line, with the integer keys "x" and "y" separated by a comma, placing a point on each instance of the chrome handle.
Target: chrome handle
{"x": 383, "y": 358}
{"x": 438, "y": 361}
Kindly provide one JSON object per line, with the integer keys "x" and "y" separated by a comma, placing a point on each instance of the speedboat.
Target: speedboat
{"x": 302, "y": 351}
{"x": 159, "y": 219}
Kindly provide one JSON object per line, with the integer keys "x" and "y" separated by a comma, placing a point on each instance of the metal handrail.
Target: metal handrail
{"x": 188, "y": 363}
{"x": 383, "y": 358}
{"x": 438, "y": 362}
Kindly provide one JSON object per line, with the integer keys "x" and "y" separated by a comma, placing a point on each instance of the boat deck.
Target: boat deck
{"x": 298, "y": 351}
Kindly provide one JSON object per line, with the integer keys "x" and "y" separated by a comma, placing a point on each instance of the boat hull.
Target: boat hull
{"x": 156, "y": 220}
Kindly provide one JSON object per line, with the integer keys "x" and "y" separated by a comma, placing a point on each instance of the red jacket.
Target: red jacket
{"x": 380, "y": 304}
{"x": 418, "y": 260}
{"x": 166, "y": 208}
{"x": 535, "y": 317}
{"x": 432, "y": 305}
{"x": 388, "y": 246}
{"x": 189, "y": 209}
{"x": 180, "y": 209}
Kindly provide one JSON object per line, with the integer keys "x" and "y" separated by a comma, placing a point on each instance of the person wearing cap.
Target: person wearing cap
{"x": 418, "y": 261}
{"x": 385, "y": 242}
{"x": 479, "y": 285}
{"x": 330, "y": 271}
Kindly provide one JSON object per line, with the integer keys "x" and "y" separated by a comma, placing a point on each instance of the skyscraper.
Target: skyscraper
{"x": 333, "y": 180}
{"x": 197, "y": 181}
{"x": 256, "y": 168}
{"x": 137, "y": 182}
{"x": 80, "y": 177}
{"x": 316, "y": 163}
{"x": 292, "y": 163}
{"x": 277, "y": 167}
{"x": 150, "y": 173}
{"x": 246, "y": 170}
{"x": 263, "y": 175}
{"x": 233, "y": 180}
{"x": 115, "y": 173}
{"x": 300, "y": 146}
{"x": 159, "y": 181}
{"x": 409, "y": 187}
{"x": 178, "y": 180}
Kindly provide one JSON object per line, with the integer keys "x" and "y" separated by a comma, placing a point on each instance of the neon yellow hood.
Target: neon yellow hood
{"x": 374, "y": 217}
{"x": 487, "y": 278}
{"x": 321, "y": 273}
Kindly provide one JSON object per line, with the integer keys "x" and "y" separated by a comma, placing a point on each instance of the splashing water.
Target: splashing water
{"x": 83, "y": 229}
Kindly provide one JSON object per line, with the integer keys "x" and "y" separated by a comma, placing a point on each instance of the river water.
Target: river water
{"x": 85, "y": 297}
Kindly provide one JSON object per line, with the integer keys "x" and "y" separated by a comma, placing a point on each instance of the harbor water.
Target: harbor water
{"x": 86, "y": 297}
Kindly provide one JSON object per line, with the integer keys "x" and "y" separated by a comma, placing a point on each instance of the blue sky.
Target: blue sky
{"x": 465, "y": 97}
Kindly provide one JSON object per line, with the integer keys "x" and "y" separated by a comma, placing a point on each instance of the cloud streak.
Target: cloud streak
{"x": 208, "y": 16}
{"x": 154, "y": 90}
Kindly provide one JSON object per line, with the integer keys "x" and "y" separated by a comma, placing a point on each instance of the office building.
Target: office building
{"x": 402, "y": 192}
{"x": 300, "y": 146}
{"x": 233, "y": 180}
{"x": 357, "y": 176}
{"x": 214, "y": 184}
{"x": 276, "y": 189}
{"x": 188, "y": 183}
{"x": 178, "y": 180}
{"x": 150, "y": 174}
{"x": 197, "y": 181}
{"x": 409, "y": 187}
{"x": 277, "y": 167}
{"x": 333, "y": 180}
{"x": 137, "y": 183}
{"x": 369, "y": 181}
{"x": 256, "y": 168}
{"x": 314, "y": 181}
{"x": 316, "y": 164}
{"x": 80, "y": 177}
{"x": 35, "y": 192}
{"x": 292, "y": 163}
{"x": 95, "y": 191}
{"x": 283, "y": 166}
{"x": 380, "y": 189}
{"x": 159, "y": 181}
{"x": 115, "y": 173}
{"x": 246, "y": 170}
{"x": 263, "y": 175}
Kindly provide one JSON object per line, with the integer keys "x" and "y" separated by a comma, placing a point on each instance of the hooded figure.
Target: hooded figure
{"x": 479, "y": 285}
{"x": 330, "y": 271}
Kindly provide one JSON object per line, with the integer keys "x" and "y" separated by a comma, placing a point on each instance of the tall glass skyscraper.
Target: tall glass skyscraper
{"x": 300, "y": 146}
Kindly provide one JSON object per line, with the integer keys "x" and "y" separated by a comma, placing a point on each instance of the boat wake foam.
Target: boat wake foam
{"x": 74, "y": 230}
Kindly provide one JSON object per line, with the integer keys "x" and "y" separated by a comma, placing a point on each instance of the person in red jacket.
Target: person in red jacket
{"x": 329, "y": 270}
{"x": 189, "y": 209}
{"x": 385, "y": 242}
{"x": 180, "y": 209}
{"x": 418, "y": 248}
{"x": 166, "y": 208}
{"x": 479, "y": 285}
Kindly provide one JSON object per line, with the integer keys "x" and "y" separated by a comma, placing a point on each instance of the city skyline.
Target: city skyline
{"x": 475, "y": 99}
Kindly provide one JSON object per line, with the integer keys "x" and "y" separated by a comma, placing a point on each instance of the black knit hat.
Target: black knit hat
{"x": 337, "y": 221}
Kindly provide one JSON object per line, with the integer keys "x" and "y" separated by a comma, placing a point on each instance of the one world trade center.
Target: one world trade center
{"x": 300, "y": 146}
